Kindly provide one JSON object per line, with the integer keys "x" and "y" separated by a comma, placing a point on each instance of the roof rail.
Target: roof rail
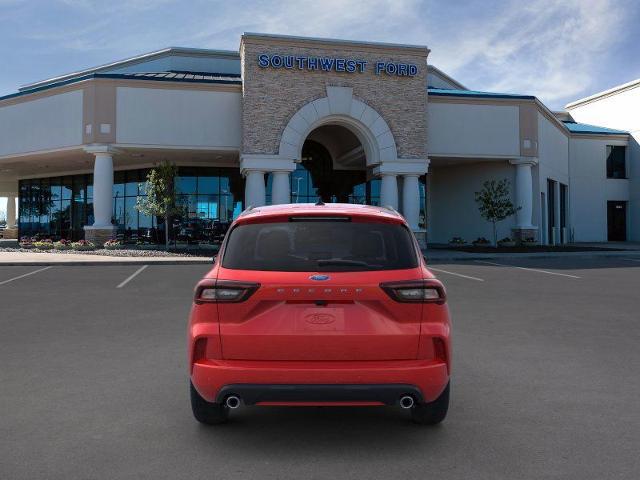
{"x": 393, "y": 210}
{"x": 246, "y": 211}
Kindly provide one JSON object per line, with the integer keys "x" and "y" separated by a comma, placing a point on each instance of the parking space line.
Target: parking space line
{"x": 25, "y": 275}
{"x": 456, "y": 274}
{"x": 528, "y": 269}
{"x": 132, "y": 276}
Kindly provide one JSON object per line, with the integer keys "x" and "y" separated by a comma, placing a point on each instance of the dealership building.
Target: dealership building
{"x": 290, "y": 119}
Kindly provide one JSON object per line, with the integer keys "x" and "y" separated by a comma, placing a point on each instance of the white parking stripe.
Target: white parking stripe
{"x": 25, "y": 275}
{"x": 528, "y": 269}
{"x": 456, "y": 274}
{"x": 132, "y": 276}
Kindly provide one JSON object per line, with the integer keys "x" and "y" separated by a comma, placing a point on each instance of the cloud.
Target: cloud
{"x": 557, "y": 50}
{"x": 547, "y": 48}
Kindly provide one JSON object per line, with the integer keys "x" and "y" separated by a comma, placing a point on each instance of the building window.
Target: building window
{"x": 616, "y": 164}
{"x": 59, "y": 207}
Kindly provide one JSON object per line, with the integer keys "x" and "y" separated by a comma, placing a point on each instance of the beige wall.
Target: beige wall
{"x": 473, "y": 129}
{"x": 172, "y": 117}
{"x": 272, "y": 96}
{"x": 45, "y": 123}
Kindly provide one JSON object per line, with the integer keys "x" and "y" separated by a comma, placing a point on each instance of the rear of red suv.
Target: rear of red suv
{"x": 319, "y": 305}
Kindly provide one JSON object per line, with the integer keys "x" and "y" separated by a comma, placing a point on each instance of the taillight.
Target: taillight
{"x": 224, "y": 291}
{"x": 418, "y": 291}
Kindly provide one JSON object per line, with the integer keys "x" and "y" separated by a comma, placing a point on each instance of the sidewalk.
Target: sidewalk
{"x": 38, "y": 259}
{"x": 437, "y": 255}
{"x": 452, "y": 255}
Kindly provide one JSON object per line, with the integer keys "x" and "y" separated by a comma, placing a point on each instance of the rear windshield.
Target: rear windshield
{"x": 332, "y": 246}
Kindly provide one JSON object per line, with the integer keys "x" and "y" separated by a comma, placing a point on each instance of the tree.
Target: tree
{"x": 494, "y": 203}
{"x": 160, "y": 199}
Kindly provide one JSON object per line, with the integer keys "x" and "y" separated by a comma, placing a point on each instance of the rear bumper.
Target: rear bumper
{"x": 388, "y": 394}
{"x": 381, "y": 382}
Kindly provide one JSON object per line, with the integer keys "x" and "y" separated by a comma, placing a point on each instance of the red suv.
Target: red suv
{"x": 324, "y": 305}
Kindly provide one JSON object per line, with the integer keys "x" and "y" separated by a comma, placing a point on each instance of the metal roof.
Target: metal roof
{"x": 134, "y": 60}
{"x": 585, "y": 128}
{"x": 187, "y": 77}
{"x": 444, "y": 92}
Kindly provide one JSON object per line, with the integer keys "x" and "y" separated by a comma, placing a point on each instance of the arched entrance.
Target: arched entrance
{"x": 340, "y": 149}
{"x": 333, "y": 168}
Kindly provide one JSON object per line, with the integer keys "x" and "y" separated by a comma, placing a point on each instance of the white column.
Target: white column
{"x": 524, "y": 194}
{"x": 103, "y": 190}
{"x": 280, "y": 188}
{"x": 11, "y": 212}
{"x": 411, "y": 200}
{"x": 254, "y": 195}
{"x": 389, "y": 190}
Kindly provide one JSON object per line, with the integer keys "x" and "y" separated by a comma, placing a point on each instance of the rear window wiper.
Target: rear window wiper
{"x": 340, "y": 261}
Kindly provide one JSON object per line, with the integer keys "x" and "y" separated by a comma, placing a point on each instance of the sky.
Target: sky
{"x": 557, "y": 50}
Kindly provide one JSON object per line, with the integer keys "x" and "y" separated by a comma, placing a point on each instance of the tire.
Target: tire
{"x": 434, "y": 412}
{"x": 207, "y": 412}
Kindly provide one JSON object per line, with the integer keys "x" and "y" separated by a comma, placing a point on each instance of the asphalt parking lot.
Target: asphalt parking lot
{"x": 93, "y": 383}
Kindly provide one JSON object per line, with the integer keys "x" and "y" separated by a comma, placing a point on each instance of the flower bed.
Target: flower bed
{"x": 83, "y": 245}
{"x": 62, "y": 245}
{"x": 113, "y": 245}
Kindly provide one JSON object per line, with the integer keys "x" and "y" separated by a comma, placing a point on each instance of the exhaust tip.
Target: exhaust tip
{"x": 406, "y": 402}
{"x": 232, "y": 402}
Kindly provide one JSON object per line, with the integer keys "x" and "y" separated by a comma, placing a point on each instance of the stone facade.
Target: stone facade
{"x": 99, "y": 236}
{"x": 272, "y": 96}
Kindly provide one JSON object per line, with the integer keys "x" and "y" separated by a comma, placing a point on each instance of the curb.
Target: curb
{"x": 553, "y": 255}
{"x": 93, "y": 263}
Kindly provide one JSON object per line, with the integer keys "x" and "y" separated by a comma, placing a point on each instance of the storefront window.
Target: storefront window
{"x": 60, "y": 207}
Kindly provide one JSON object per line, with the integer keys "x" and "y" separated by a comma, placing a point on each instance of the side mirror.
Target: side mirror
{"x": 214, "y": 259}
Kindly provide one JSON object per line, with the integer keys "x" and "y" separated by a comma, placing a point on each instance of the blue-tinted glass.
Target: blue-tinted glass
{"x": 208, "y": 185}
{"x": 54, "y": 217}
{"x": 79, "y": 187}
{"x": 185, "y": 184}
{"x": 118, "y": 184}
{"x": 131, "y": 185}
{"x": 145, "y": 221}
{"x": 131, "y": 214}
{"x": 227, "y": 206}
{"x": 237, "y": 209}
{"x": 67, "y": 190}
{"x": 90, "y": 217}
{"x": 269, "y": 189}
{"x": 65, "y": 218}
{"x": 190, "y": 205}
{"x": 78, "y": 214}
{"x": 299, "y": 185}
{"x": 55, "y": 188}
{"x": 90, "y": 186}
{"x": 206, "y": 205}
{"x": 375, "y": 187}
{"x": 225, "y": 186}
{"x": 119, "y": 213}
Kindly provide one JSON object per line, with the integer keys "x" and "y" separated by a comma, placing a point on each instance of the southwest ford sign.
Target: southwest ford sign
{"x": 333, "y": 64}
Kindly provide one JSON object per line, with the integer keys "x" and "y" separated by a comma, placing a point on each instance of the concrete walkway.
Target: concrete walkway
{"x": 36, "y": 259}
{"x": 453, "y": 255}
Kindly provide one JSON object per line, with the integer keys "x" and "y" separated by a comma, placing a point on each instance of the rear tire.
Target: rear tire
{"x": 432, "y": 413}
{"x": 207, "y": 412}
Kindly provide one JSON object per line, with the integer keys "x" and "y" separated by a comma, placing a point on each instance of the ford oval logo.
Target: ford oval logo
{"x": 320, "y": 318}
{"x": 319, "y": 278}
